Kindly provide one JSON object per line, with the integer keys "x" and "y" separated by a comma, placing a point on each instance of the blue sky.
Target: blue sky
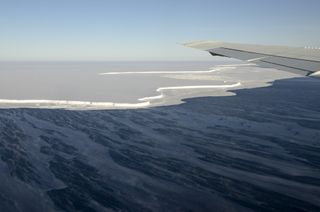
{"x": 148, "y": 29}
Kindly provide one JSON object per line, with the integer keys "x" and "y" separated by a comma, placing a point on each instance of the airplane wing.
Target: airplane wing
{"x": 304, "y": 61}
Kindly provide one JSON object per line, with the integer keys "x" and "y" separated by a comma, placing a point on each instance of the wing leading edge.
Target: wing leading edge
{"x": 304, "y": 61}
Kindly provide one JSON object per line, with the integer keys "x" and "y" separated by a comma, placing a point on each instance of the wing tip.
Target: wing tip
{"x": 203, "y": 44}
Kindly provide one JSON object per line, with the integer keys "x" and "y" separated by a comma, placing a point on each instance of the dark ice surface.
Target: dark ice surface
{"x": 258, "y": 150}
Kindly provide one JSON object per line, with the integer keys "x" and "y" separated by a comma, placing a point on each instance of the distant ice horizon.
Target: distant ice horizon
{"x": 85, "y": 85}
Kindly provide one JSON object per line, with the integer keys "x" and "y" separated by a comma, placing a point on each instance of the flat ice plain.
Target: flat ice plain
{"x": 103, "y": 85}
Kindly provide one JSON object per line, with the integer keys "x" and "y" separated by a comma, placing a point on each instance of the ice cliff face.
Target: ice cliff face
{"x": 258, "y": 150}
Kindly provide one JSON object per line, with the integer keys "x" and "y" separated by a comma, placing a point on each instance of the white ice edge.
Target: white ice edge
{"x": 146, "y": 101}
{"x": 74, "y": 103}
{"x": 186, "y": 88}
